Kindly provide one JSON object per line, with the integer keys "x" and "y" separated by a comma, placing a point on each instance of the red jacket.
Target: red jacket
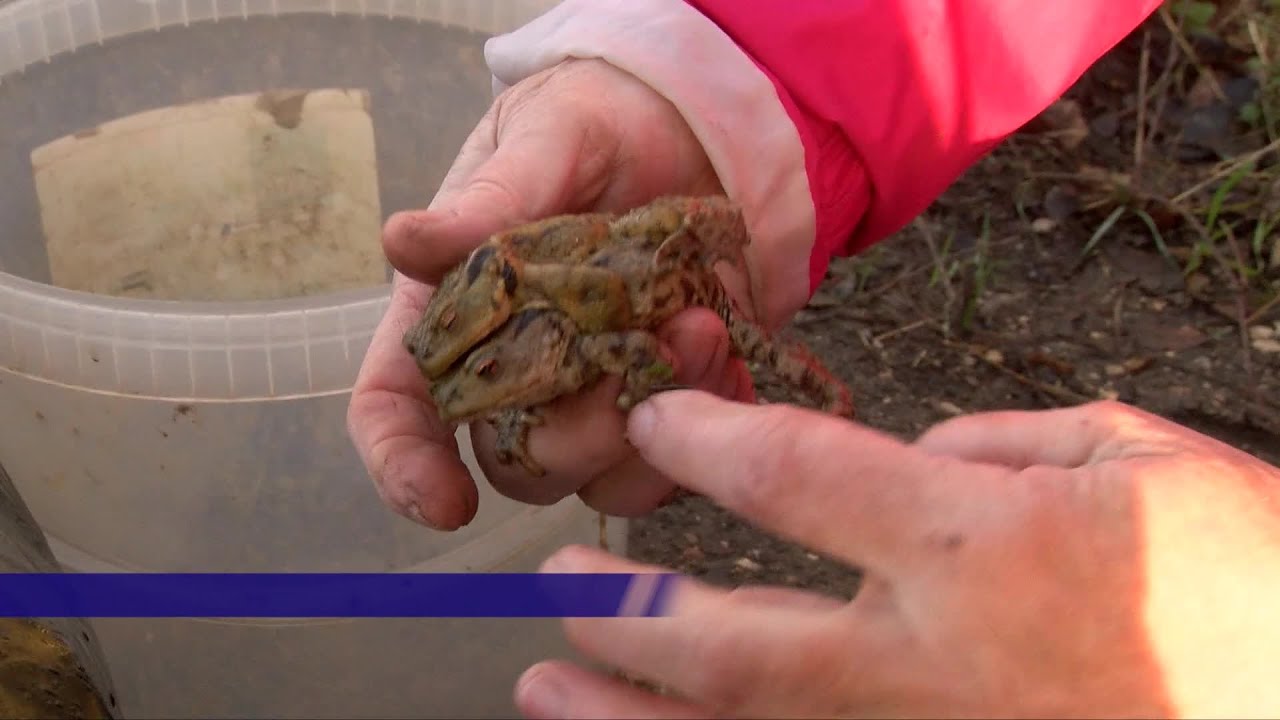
{"x": 833, "y": 123}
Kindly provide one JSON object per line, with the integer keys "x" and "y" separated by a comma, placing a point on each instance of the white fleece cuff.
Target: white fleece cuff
{"x": 732, "y": 107}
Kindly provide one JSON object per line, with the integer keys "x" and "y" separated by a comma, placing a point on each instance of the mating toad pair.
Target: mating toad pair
{"x": 547, "y": 308}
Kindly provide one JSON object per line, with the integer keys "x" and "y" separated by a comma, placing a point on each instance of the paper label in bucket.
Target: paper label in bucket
{"x": 246, "y": 197}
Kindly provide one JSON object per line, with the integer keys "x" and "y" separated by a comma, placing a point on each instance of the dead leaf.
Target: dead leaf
{"x": 1137, "y": 364}
{"x": 1197, "y": 284}
{"x": 1204, "y": 92}
{"x": 1060, "y": 367}
{"x": 1064, "y": 121}
{"x": 1160, "y": 337}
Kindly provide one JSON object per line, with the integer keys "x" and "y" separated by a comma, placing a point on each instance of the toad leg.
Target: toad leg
{"x": 512, "y": 445}
{"x": 633, "y": 354}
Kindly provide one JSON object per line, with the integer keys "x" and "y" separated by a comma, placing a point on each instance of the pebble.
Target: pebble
{"x": 1262, "y": 332}
{"x": 748, "y": 564}
{"x": 1267, "y": 346}
{"x": 1043, "y": 225}
{"x": 693, "y": 553}
{"x": 948, "y": 408}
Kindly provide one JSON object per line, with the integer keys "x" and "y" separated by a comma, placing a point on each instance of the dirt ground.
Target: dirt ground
{"x": 1073, "y": 263}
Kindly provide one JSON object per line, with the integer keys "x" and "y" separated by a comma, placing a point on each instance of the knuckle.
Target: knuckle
{"x": 1111, "y": 410}
{"x": 1115, "y": 421}
{"x": 498, "y": 191}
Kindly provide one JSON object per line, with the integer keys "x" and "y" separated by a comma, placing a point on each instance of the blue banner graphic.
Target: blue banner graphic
{"x": 329, "y": 595}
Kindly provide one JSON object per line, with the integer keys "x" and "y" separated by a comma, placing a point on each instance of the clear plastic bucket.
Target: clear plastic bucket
{"x": 171, "y": 435}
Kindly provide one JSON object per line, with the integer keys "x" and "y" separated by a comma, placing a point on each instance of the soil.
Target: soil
{"x": 1026, "y": 321}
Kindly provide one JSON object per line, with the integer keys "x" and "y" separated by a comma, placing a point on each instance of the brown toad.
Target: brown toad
{"x": 478, "y": 295}
{"x": 541, "y": 353}
{"x": 573, "y": 263}
{"x": 534, "y": 358}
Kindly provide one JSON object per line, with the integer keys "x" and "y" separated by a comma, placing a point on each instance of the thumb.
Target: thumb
{"x": 520, "y": 164}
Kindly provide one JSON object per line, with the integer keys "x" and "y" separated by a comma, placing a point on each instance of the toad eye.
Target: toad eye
{"x": 509, "y": 279}
{"x": 477, "y": 261}
{"x": 486, "y": 367}
{"x": 446, "y": 320}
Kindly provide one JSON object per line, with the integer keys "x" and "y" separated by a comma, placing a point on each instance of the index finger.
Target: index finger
{"x": 411, "y": 455}
{"x": 835, "y": 486}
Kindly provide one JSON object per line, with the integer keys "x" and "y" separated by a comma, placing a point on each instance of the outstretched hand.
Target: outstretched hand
{"x": 1094, "y": 561}
{"x": 581, "y": 136}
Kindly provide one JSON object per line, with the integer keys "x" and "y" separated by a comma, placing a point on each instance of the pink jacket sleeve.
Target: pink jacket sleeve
{"x": 832, "y": 123}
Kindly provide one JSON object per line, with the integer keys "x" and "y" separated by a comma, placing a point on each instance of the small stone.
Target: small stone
{"x": 1108, "y": 394}
{"x": 690, "y": 538}
{"x": 1262, "y": 332}
{"x": 1137, "y": 364}
{"x": 1043, "y": 225}
{"x": 948, "y": 408}
{"x": 811, "y": 556}
{"x": 995, "y": 357}
{"x": 1115, "y": 370}
{"x": 1267, "y": 346}
{"x": 748, "y": 564}
{"x": 1158, "y": 304}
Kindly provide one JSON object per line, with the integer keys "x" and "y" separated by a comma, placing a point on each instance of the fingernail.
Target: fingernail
{"x": 641, "y": 422}
{"x": 541, "y": 694}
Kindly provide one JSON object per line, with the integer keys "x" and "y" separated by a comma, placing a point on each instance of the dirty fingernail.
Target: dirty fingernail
{"x": 641, "y": 422}
{"x": 541, "y": 694}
